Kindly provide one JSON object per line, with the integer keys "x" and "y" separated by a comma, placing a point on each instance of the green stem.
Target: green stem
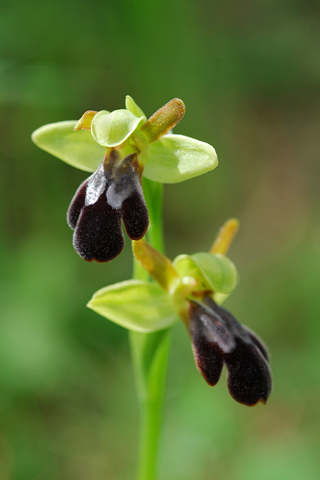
{"x": 150, "y": 353}
{"x": 150, "y": 359}
{"x": 154, "y": 195}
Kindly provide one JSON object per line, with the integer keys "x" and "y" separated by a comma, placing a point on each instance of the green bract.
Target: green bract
{"x": 169, "y": 159}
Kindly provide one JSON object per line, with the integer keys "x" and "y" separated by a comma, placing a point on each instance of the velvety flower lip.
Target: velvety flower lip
{"x": 112, "y": 192}
{"x": 217, "y": 339}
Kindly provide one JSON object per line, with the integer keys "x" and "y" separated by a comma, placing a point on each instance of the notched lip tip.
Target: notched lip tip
{"x": 100, "y": 261}
{"x": 211, "y": 384}
{"x": 93, "y": 259}
{"x": 89, "y": 260}
{"x": 260, "y": 400}
{"x": 135, "y": 239}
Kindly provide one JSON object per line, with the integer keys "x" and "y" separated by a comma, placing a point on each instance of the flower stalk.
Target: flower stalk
{"x": 150, "y": 353}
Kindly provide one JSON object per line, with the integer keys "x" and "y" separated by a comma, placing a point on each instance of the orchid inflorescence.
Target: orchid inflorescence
{"x": 121, "y": 148}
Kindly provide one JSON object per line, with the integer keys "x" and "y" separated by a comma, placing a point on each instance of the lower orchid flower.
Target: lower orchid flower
{"x": 191, "y": 287}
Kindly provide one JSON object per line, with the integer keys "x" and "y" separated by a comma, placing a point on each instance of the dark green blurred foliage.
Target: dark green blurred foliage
{"x": 249, "y": 74}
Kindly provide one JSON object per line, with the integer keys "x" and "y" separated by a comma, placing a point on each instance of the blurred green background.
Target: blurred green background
{"x": 249, "y": 74}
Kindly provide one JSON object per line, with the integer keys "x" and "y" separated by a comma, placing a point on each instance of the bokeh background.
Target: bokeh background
{"x": 249, "y": 74}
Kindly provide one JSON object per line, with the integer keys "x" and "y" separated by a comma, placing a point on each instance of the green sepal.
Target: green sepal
{"x": 77, "y": 148}
{"x": 136, "y": 305}
{"x": 112, "y": 129}
{"x": 212, "y": 272}
{"x": 134, "y": 108}
{"x": 175, "y": 158}
{"x": 156, "y": 264}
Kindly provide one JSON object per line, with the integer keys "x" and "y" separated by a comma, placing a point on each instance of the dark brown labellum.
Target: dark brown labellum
{"x": 217, "y": 338}
{"x": 113, "y": 192}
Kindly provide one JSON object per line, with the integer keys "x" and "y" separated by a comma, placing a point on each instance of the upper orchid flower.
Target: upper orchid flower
{"x": 190, "y": 288}
{"x": 120, "y": 147}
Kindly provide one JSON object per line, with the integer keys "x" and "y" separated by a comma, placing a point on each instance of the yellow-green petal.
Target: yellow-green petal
{"x": 175, "y": 158}
{"x": 112, "y": 129}
{"x": 187, "y": 267}
{"x": 212, "y": 272}
{"x": 77, "y": 148}
{"x": 136, "y": 305}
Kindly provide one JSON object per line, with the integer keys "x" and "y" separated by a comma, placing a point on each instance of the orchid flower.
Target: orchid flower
{"x": 120, "y": 148}
{"x": 191, "y": 288}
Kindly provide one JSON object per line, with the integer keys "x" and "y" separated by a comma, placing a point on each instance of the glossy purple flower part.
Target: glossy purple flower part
{"x": 217, "y": 339}
{"x": 112, "y": 193}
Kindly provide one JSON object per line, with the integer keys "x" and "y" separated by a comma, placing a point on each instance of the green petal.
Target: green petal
{"x": 112, "y": 129}
{"x": 78, "y": 148}
{"x": 133, "y": 107}
{"x": 136, "y": 305}
{"x": 220, "y": 298}
{"x": 187, "y": 267}
{"x": 212, "y": 272}
{"x": 219, "y": 270}
{"x": 85, "y": 121}
{"x": 175, "y": 158}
